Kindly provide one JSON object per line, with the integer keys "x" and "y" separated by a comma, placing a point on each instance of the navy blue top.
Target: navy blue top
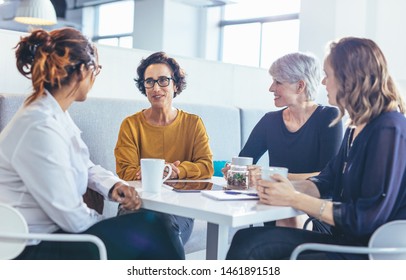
{"x": 367, "y": 180}
{"x": 304, "y": 151}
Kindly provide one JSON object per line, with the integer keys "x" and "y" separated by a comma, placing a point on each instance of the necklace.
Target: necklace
{"x": 349, "y": 145}
{"x": 347, "y": 154}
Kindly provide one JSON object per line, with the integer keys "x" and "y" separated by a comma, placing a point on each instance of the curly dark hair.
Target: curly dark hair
{"x": 179, "y": 76}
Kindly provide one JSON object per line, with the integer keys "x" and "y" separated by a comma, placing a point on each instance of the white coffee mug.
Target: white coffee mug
{"x": 152, "y": 170}
{"x": 242, "y": 161}
{"x": 267, "y": 172}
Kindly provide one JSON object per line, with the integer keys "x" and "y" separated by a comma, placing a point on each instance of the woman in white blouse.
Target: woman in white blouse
{"x": 45, "y": 167}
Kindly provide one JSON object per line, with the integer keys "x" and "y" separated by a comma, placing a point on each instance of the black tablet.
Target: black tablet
{"x": 190, "y": 186}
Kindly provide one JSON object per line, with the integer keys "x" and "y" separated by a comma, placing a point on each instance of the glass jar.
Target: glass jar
{"x": 254, "y": 175}
{"x": 237, "y": 177}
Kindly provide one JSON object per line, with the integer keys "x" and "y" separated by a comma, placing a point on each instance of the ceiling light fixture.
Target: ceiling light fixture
{"x": 36, "y": 12}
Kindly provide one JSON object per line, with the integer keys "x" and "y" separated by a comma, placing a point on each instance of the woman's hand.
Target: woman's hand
{"x": 138, "y": 174}
{"x": 175, "y": 170}
{"x": 225, "y": 169}
{"x": 127, "y": 196}
{"x": 278, "y": 193}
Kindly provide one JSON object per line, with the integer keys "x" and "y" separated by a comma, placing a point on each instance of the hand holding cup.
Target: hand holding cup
{"x": 274, "y": 187}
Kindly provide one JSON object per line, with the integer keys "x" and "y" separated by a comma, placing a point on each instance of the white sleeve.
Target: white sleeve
{"x": 101, "y": 180}
{"x": 43, "y": 160}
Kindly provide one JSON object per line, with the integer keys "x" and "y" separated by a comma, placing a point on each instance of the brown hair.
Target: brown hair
{"x": 179, "y": 75}
{"x": 365, "y": 88}
{"x": 50, "y": 59}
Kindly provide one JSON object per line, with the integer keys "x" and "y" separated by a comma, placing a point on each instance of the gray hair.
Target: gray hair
{"x": 294, "y": 67}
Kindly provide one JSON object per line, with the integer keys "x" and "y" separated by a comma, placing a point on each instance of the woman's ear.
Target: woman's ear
{"x": 81, "y": 72}
{"x": 301, "y": 86}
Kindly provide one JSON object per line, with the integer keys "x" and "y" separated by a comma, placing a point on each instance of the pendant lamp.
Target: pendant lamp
{"x": 36, "y": 12}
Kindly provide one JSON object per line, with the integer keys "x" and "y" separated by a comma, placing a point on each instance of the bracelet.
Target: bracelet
{"x": 322, "y": 207}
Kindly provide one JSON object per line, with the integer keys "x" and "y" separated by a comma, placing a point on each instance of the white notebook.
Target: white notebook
{"x": 230, "y": 195}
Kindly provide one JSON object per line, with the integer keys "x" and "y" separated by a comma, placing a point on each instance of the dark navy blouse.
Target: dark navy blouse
{"x": 367, "y": 180}
{"x": 307, "y": 150}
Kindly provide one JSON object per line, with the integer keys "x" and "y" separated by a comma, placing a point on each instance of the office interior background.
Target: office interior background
{"x": 226, "y": 47}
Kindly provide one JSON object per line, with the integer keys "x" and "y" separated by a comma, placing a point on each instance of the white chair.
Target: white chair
{"x": 14, "y": 235}
{"x": 388, "y": 242}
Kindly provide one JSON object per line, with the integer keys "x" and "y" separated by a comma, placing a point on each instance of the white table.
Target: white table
{"x": 220, "y": 215}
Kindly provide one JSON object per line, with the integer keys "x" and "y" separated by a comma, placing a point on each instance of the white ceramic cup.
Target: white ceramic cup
{"x": 241, "y": 161}
{"x": 267, "y": 172}
{"x": 152, "y": 170}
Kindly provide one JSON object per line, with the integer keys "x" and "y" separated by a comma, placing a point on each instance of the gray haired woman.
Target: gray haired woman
{"x": 299, "y": 136}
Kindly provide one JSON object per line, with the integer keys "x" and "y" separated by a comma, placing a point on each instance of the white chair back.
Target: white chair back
{"x": 388, "y": 242}
{"x": 389, "y": 235}
{"x": 12, "y": 222}
{"x": 14, "y": 235}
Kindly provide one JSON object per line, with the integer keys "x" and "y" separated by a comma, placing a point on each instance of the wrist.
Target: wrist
{"x": 296, "y": 198}
{"x": 181, "y": 174}
{"x": 110, "y": 194}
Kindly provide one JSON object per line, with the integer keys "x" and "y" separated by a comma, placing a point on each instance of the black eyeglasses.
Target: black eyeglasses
{"x": 95, "y": 67}
{"x": 162, "y": 82}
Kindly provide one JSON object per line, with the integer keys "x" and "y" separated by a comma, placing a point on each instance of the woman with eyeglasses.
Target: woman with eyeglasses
{"x": 163, "y": 131}
{"x": 45, "y": 167}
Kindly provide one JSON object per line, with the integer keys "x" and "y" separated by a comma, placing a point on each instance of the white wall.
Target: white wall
{"x": 148, "y": 24}
{"x": 168, "y": 25}
{"x": 209, "y": 82}
{"x": 380, "y": 20}
{"x": 218, "y": 83}
{"x": 181, "y": 25}
{"x": 11, "y": 81}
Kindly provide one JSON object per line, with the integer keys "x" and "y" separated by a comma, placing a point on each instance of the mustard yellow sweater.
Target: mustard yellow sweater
{"x": 185, "y": 140}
